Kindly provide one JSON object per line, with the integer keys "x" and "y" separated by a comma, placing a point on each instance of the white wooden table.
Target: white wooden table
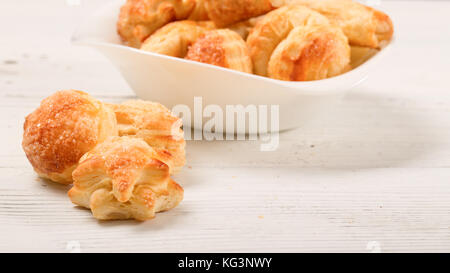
{"x": 374, "y": 175}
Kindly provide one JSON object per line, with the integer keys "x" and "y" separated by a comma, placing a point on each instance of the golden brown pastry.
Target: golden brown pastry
{"x": 310, "y": 53}
{"x": 360, "y": 55}
{"x": 64, "y": 127}
{"x": 227, "y": 12}
{"x": 155, "y": 124}
{"x": 138, "y": 19}
{"x": 221, "y": 47}
{"x": 124, "y": 178}
{"x": 364, "y": 26}
{"x": 175, "y": 38}
{"x": 302, "y": 55}
{"x": 199, "y": 13}
{"x": 243, "y": 28}
{"x": 274, "y": 28}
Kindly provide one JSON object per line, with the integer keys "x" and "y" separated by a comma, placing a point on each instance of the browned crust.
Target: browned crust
{"x": 227, "y": 12}
{"x": 208, "y": 49}
{"x": 175, "y": 38}
{"x": 124, "y": 178}
{"x": 134, "y": 115}
{"x": 316, "y": 51}
{"x": 271, "y": 30}
{"x": 64, "y": 127}
{"x": 199, "y": 13}
{"x": 311, "y": 53}
{"x": 384, "y": 26}
{"x": 363, "y": 25}
{"x": 138, "y": 19}
{"x": 155, "y": 124}
{"x": 222, "y": 47}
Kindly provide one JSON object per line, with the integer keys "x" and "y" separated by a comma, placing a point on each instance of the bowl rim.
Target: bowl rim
{"x": 136, "y": 50}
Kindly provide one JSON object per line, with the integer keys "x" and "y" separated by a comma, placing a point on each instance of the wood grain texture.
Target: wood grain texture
{"x": 375, "y": 171}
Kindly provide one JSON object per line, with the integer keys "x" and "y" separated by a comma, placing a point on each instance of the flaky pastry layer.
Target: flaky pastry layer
{"x": 222, "y": 47}
{"x": 138, "y": 19}
{"x": 226, "y": 12}
{"x": 363, "y": 25}
{"x": 174, "y": 39}
{"x": 271, "y": 31}
{"x": 310, "y": 53}
{"x": 124, "y": 178}
{"x": 156, "y": 125}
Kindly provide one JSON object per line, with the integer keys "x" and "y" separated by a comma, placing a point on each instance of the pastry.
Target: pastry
{"x": 292, "y": 40}
{"x": 360, "y": 55}
{"x": 156, "y": 125}
{"x": 199, "y": 13}
{"x": 302, "y": 55}
{"x": 175, "y": 38}
{"x": 221, "y": 47}
{"x": 138, "y": 19}
{"x": 364, "y": 26}
{"x": 243, "y": 28}
{"x": 64, "y": 127}
{"x": 274, "y": 28}
{"x": 228, "y": 12}
{"x": 310, "y": 53}
{"x": 124, "y": 178}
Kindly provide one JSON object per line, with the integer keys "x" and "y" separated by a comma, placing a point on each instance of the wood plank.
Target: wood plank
{"x": 249, "y": 209}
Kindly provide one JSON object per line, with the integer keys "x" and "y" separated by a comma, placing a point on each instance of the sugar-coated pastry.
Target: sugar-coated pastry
{"x": 175, "y": 38}
{"x": 124, "y": 178}
{"x": 228, "y": 12}
{"x": 156, "y": 125}
{"x": 273, "y": 28}
{"x": 221, "y": 47}
{"x": 138, "y": 19}
{"x": 64, "y": 127}
{"x": 310, "y": 53}
{"x": 363, "y": 25}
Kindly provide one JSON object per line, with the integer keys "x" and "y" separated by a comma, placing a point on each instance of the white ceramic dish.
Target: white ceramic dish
{"x": 173, "y": 81}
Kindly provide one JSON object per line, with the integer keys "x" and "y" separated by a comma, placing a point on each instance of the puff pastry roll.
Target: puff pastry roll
{"x": 222, "y": 47}
{"x": 327, "y": 51}
{"x": 364, "y": 26}
{"x": 124, "y": 178}
{"x": 64, "y": 127}
{"x": 310, "y": 53}
{"x": 156, "y": 125}
{"x": 227, "y": 12}
{"x": 175, "y": 38}
{"x": 138, "y": 19}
